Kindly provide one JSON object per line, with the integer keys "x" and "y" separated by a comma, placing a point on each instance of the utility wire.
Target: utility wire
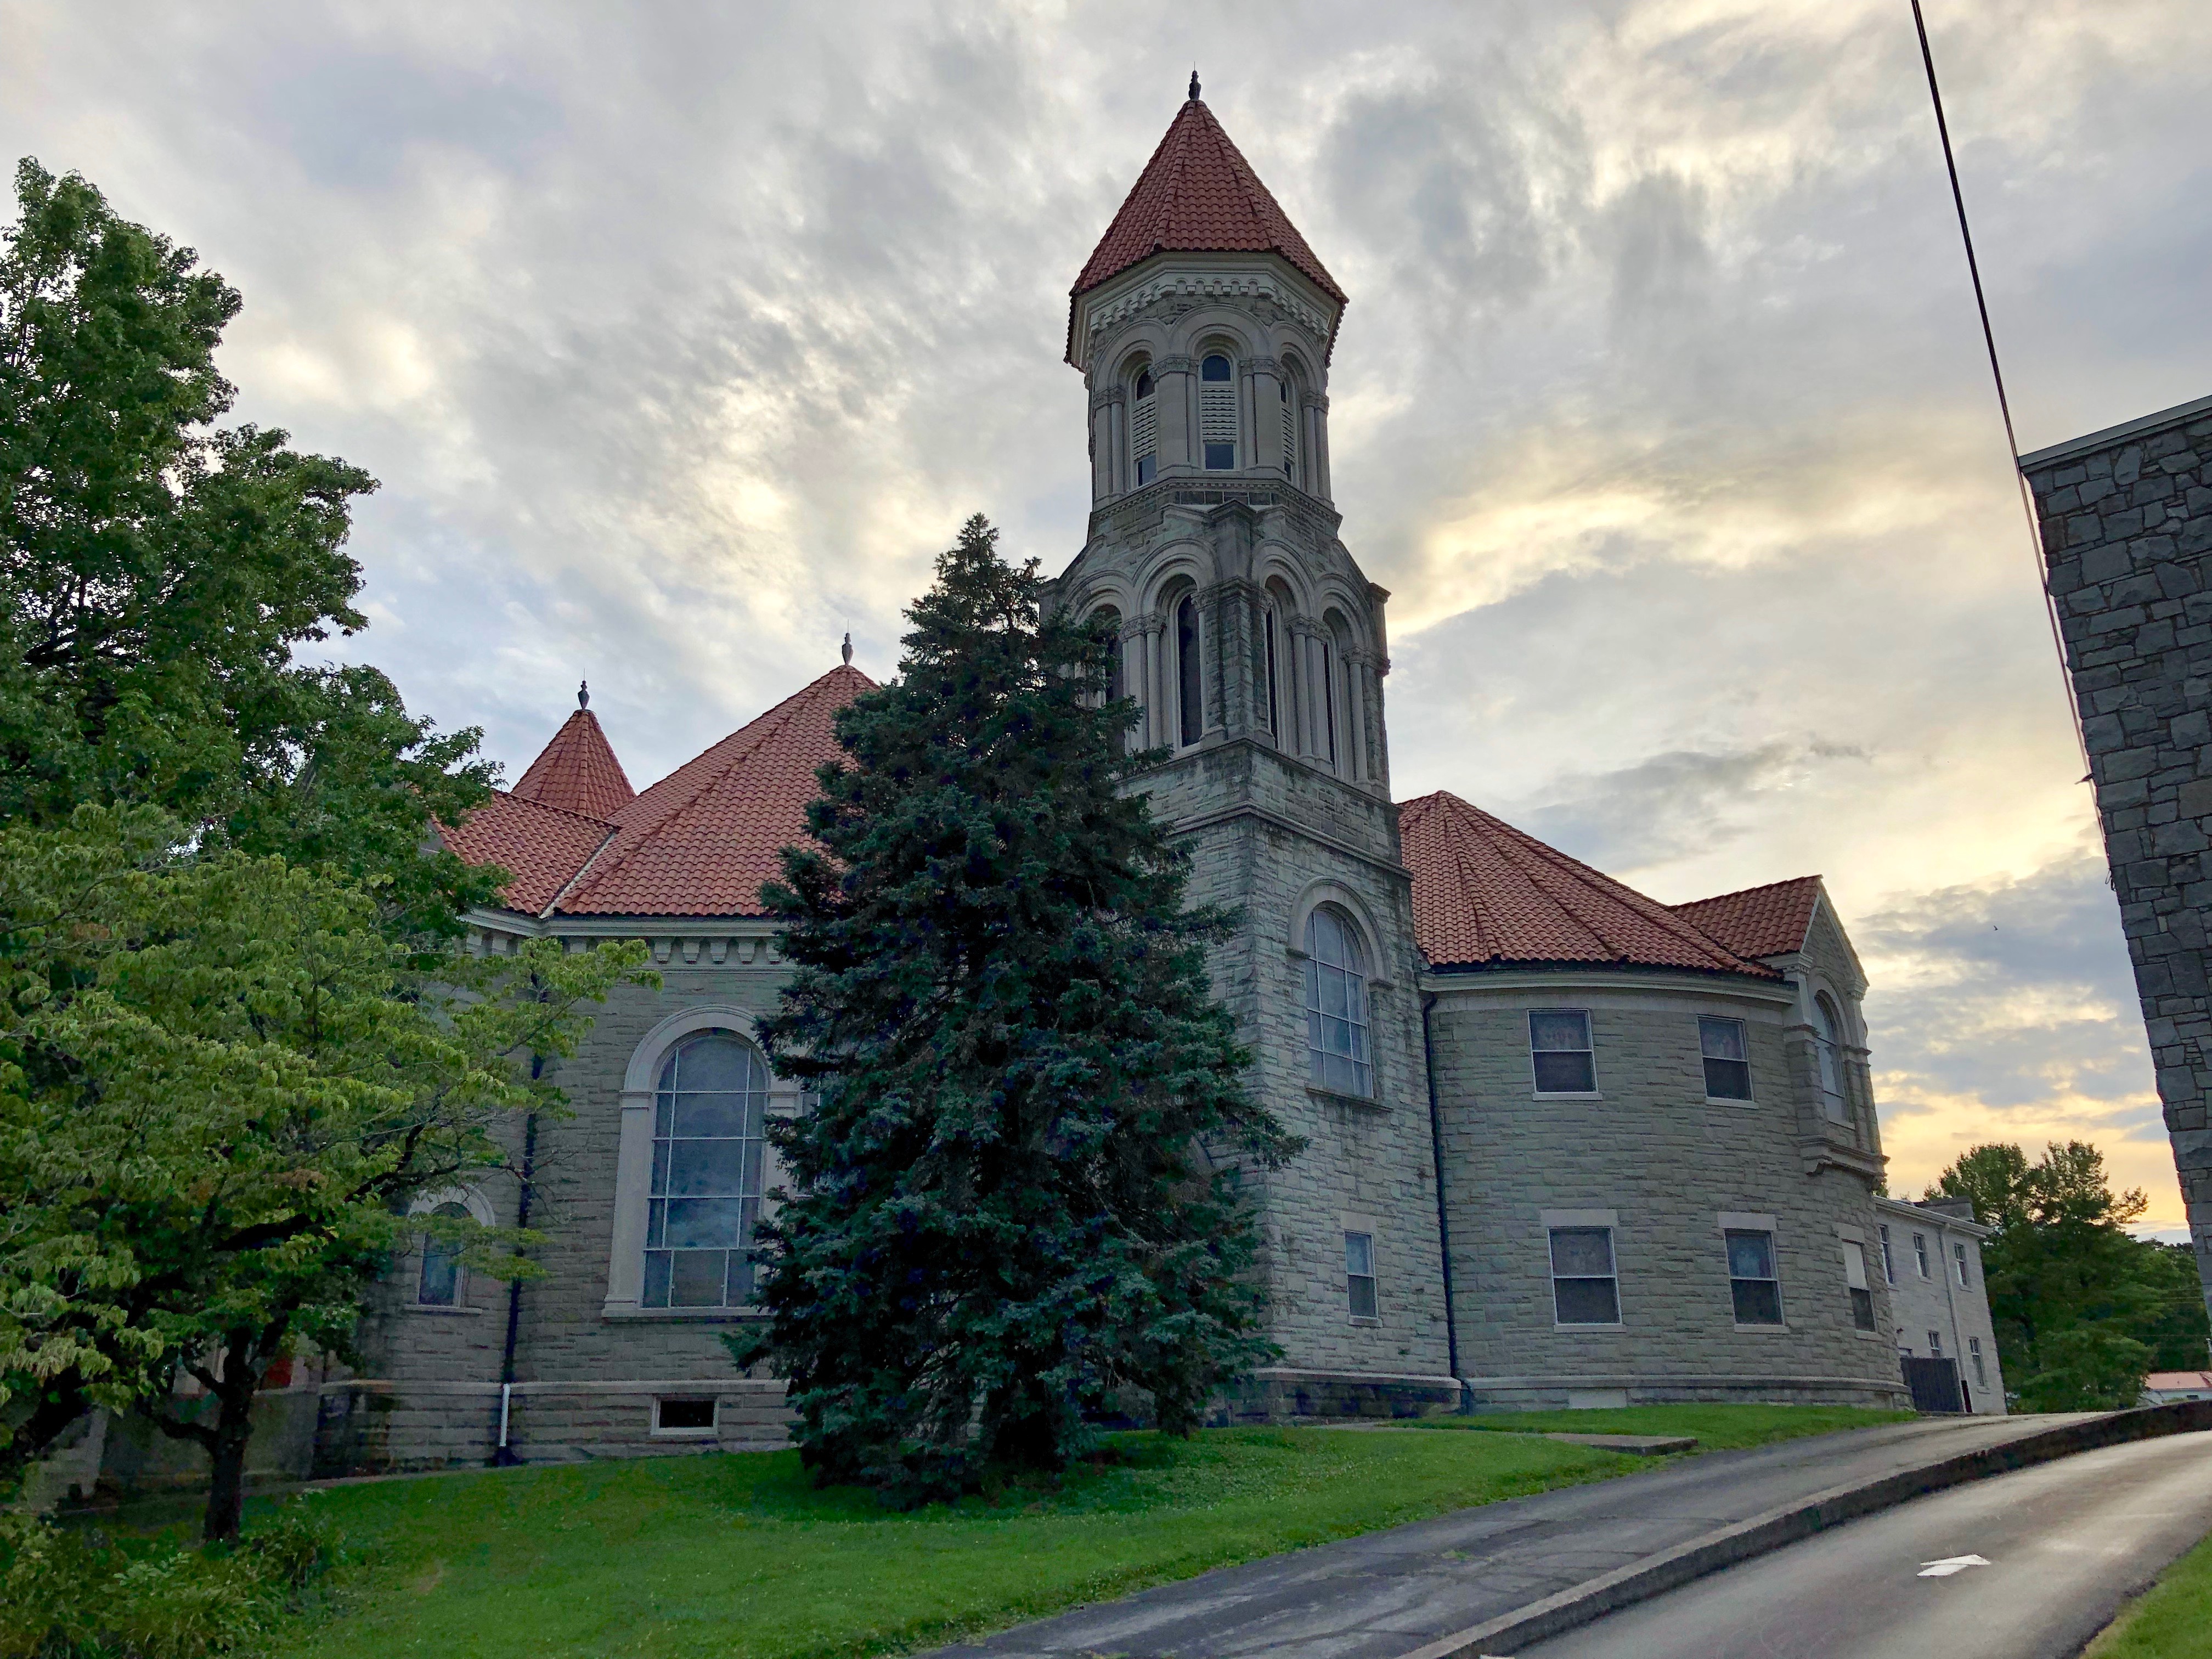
{"x": 2004, "y": 404}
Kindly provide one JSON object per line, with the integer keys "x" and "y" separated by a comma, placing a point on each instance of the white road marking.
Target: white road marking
{"x": 1950, "y": 1564}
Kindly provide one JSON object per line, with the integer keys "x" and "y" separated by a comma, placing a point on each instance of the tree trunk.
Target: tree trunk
{"x": 234, "y": 1429}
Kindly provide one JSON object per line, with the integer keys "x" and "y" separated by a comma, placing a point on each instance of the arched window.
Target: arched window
{"x": 1116, "y": 681}
{"x": 1217, "y": 412}
{"x": 1328, "y": 695}
{"x": 1828, "y": 1030}
{"x": 1190, "y": 680}
{"x": 1269, "y": 627}
{"x": 1290, "y": 428}
{"x": 707, "y": 1152}
{"x": 1145, "y": 429}
{"x": 440, "y": 1282}
{"x": 1336, "y": 1005}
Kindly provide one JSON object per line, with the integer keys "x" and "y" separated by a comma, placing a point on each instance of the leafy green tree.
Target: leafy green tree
{"x": 219, "y": 1081}
{"x": 2082, "y": 1309}
{"x": 234, "y": 1037}
{"x": 1018, "y": 1197}
{"x": 158, "y": 573}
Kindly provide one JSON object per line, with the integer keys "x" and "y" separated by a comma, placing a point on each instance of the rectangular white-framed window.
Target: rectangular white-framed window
{"x": 1974, "y": 1358}
{"x": 1920, "y": 1254}
{"x": 1561, "y": 1056}
{"x": 1359, "y": 1275}
{"x": 1855, "y": 1284}
{"x": 1936, "y": 1344}
{"x": 691, "y": 1416}
{"x": 1888, "y": 1262}
{"x": 1754, "y": 1286}
{"x": 1585, "y": 1281}
{"x": 1725, "y": 1046}
{"x": 1959, "y": 1265}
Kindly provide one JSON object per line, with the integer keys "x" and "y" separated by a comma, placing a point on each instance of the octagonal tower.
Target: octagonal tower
{"x": 1203, "y": 325}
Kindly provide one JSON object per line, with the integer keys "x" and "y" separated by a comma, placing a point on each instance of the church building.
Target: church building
{"x": 1567, "y": 1145}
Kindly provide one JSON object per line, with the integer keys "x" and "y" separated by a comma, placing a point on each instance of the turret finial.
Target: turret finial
{"x": 1193, "y": 81}
{"x": 848, "y": 647}
{"x": 583, "y": 694}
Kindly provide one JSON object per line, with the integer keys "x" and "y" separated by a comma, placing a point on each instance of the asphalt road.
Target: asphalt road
{"x": 1385, "y": 1593}
{"x": 2065, "y": 1544}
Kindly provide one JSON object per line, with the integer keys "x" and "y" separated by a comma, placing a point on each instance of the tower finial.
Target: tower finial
{"x": 1193, "y": 81}
{"x": 848, "y": 647}
{"x": 583, "y": 694}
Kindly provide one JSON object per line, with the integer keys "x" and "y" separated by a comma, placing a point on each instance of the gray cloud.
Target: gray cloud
{"x": 682, "y": 335}
{"x": 1681, "y": 802}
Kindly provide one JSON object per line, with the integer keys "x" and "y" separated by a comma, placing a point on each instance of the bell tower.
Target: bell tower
{"x": 1203, "y": 325}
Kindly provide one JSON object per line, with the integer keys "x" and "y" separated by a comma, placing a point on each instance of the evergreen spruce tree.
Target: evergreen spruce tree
{"x": 1016, "y": 1197}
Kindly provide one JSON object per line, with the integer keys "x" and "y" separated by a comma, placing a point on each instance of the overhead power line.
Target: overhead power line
{"x": 2004, "y": 403}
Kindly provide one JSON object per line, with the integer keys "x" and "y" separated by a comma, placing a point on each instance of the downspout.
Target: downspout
{"x": 1444, "y": 1221}
{"x": 503, "y": 1455}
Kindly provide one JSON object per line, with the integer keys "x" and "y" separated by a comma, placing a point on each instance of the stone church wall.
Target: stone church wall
{"x": 2127, "y": 531}
{"x": 1667, "y": 1166}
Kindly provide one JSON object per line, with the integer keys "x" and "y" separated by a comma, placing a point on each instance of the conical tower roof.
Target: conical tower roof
{"x": 1199, "y": 195}
{"x": 578, "y": 772}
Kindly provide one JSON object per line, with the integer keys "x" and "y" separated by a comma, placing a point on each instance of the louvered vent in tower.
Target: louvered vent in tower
{"x": 1145, "y": 430}
{"x": 1216, "y": 414}
{"x": 1290, "y": 435}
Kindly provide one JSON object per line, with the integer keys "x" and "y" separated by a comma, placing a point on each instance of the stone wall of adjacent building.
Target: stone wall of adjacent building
{"x": 1670, "y": 1168}
{"x": 1939, "y": 1314}
{"x": 2127, "y": 533}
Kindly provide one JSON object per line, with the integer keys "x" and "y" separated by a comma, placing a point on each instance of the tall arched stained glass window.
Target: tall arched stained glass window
{"x": 707, "y": 1152}
{"x": 1190, "y": 680}
{"x": 1336, "y": 1006}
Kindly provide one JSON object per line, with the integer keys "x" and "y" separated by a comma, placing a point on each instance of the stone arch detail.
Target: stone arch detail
{"x": 1324, "y": 890}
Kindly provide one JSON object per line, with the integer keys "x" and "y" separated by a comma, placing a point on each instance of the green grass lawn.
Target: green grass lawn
{"x": 2173, "y": 1621}
{"x": 1717, "y": 1428}
{"x": 738, "y": 1556}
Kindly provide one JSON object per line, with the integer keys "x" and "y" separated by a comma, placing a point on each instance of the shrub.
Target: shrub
{"x": 71, "y": 1594}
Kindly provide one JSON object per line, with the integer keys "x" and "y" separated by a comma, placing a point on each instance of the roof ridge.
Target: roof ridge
{"x": 1745, "y": 892}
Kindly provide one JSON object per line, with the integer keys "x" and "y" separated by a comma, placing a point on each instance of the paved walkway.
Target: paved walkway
{"x": 1385, "y": 1593}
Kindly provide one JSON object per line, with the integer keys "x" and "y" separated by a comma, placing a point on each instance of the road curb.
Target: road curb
{"x": 1760, "y": 1534}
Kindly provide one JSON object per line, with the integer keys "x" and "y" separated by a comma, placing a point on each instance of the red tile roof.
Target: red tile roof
{"x": 702, "y": 841}
{"x": 578, "y": 771}
{"x": 541, "y": 847}
{"x": 1198, "y": 195}
{"x": 1484, "y": 892}
{"x": 1759, "y": 922}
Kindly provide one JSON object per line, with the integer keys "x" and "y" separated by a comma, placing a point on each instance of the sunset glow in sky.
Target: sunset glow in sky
{"x": 682, "y": 335}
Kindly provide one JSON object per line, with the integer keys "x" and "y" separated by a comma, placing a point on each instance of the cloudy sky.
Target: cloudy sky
{"x": 681, "y": 337}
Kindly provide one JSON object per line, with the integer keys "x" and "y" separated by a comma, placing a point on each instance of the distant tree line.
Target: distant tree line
{"x": 2083, "y": 1310}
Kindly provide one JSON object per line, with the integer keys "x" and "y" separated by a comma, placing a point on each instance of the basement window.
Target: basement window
{"x": 684, "y": 1416}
